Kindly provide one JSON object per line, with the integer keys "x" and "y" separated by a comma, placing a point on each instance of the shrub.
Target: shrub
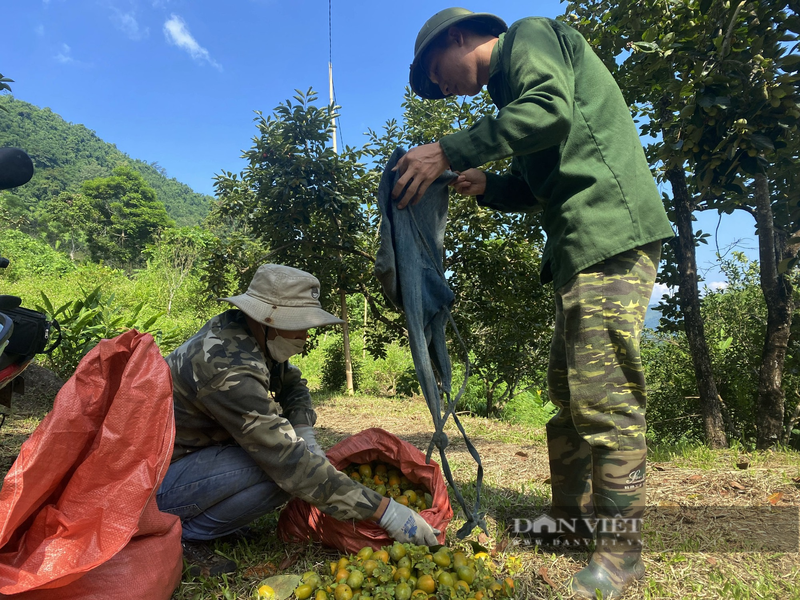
{"x": 672, "y": 403}
{"x": 392, "y": 375}
{"x": 333, "y": 373}
{"x": 735, "y": 326}
{"x": 31, "y": 257}
{"x": 87, "y": 320}
{"x": 528, "y": 408}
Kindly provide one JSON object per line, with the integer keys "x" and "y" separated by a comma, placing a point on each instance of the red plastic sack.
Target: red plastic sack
{"x": 78, "y": 516}
{"x": 299, "y": 521}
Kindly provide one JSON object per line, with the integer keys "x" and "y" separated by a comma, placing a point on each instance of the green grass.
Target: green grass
{"x": 683, "y": 454}
{"x": 681, "y": 573}
{"x": 699, "y": 456}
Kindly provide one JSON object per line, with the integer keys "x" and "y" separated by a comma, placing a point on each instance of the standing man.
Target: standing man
{"x": 245, "y": 440}
{"x": 577, "y": 157}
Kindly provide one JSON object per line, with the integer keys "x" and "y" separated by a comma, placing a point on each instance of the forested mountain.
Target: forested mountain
{"x": 66, "y": 154}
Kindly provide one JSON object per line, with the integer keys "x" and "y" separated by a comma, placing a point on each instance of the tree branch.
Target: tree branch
{"x": 727, "y": 42}
{"x": 353, "y": 251}
{"x": 726, "y": 416}
{"x": 377, "y": 314}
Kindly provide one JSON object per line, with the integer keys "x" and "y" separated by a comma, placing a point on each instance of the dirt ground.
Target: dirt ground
{"x": 718, "y": 525}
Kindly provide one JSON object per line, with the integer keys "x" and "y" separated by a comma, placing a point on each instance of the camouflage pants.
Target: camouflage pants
{"x": 595, "y": 375}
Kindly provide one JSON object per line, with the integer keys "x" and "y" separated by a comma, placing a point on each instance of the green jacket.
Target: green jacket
{"x": 576, "y": 152}
{"x": 226, "y": 391}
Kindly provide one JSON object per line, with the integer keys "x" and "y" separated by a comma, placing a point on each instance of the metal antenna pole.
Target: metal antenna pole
{"x": 348, "y": 361}
{"x": 333, "y": 119}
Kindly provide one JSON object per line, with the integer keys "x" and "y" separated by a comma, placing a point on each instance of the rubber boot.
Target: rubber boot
{"x": 619, "y": 498}
{"x": 571, "y": 481}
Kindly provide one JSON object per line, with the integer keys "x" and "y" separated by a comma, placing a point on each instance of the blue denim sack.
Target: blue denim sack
{"x": 409, "y": 266}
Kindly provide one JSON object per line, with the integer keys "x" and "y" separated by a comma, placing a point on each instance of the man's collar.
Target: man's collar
{"x": 494, "y": 62}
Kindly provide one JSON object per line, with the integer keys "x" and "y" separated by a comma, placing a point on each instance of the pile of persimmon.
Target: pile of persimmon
{"x": 388, "y": 481}
{"x": 407, "y": 572}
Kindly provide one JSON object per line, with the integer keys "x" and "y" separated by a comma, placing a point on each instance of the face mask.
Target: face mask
{"x": 281, "y": 348}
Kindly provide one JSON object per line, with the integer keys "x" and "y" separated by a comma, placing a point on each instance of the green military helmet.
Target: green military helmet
{"x": 435, "y": 26}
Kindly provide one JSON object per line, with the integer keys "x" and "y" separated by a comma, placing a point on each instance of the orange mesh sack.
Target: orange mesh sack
{"x": 78, "y": 516}
{"x": 301, "y": 522}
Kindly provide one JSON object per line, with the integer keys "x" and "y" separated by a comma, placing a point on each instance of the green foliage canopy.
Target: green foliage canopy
{"x": 124, "y": 216}
{"x": 301, "y": 200}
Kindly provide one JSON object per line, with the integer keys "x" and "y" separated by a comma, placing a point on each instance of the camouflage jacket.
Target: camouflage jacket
{"x": 226, "y": 391}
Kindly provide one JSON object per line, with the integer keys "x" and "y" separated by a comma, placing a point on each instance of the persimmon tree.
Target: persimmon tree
{"x": 302, "y": 200}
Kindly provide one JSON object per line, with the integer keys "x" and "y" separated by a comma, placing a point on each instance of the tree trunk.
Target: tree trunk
{"x": 690, "y": 306}
{"x": 489, "y": 397}
{"x": 348, "y": 362}
{"x": 364, "y": 351}
{"x": 778, "y": 296}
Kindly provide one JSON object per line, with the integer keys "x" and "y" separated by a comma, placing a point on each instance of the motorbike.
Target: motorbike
{"x": 24, "y": 333}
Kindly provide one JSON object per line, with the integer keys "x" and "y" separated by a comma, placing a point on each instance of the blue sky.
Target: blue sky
{"x": 177, "y": 81}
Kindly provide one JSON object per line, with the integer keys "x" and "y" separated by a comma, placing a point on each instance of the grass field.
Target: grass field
{"x": 719, "y": 524}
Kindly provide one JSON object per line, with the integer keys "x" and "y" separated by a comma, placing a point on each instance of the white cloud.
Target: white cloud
{"x": 65, "y": 56}
{"x": 717, "y": 286}
{"x": 178, "y": 34}
{"x": 39, "y": 29}
{"x": 127, "y": 23}
{"x": 659, "y": 290}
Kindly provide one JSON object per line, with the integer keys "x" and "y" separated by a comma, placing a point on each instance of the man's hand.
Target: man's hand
{"x": 471, "y": 182}
{"x": 404, "y": 525}
{"x": 306, "y": 432}
{"x": 419, "y": 168}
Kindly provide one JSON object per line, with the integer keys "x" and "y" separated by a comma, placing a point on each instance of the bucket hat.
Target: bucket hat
{"x": 284, "y": 298}
{"x": 435, "y": 26}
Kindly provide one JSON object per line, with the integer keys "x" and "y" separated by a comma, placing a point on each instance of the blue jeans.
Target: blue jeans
{"x": 216, "y": 491}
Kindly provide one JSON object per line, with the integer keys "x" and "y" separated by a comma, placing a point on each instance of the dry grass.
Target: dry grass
{"x": 712, "y": 529}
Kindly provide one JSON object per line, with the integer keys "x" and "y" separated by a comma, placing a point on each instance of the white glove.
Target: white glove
{"x": 404, "y": 525}
{"x": 306, "y": 433}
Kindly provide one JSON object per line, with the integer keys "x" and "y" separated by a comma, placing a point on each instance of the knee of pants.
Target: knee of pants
{"x": 234, "y": 512}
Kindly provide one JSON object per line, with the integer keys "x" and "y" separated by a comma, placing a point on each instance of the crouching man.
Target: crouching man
{"x": 244, "y": 422}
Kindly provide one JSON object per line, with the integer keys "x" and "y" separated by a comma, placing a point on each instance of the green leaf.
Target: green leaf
{"x": 786, "y": 265}
{"x": 135, "y": 313}
{"x": 149, "y": 323}
{"x": 706, "y": 100}
{"x": 476, "y": 547}
{"x": 790, "y": 60}
{"x": 646, "y": 47}
{"x": 704, "y": 6}
{"x": 761, "y": 142}
{"x": 283, "y": 585}
{"x": 47, "y": 304}
{"x": 84, "y": 320}
{"x": 650, "y": 35}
